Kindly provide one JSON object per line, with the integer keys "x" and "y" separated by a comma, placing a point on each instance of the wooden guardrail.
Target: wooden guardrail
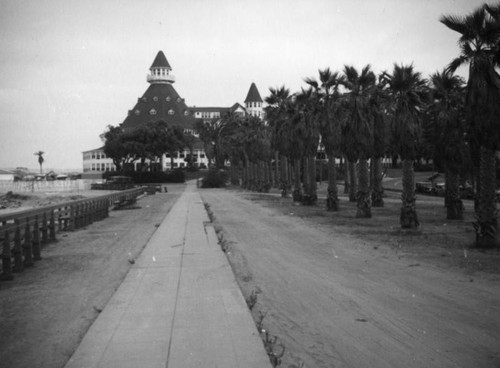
{"x": 23, "y": 233}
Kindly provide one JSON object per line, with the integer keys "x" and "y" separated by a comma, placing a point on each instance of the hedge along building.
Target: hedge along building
{"x": 161, "y": 102}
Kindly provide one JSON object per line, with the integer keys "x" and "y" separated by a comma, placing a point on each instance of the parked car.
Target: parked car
{"x": 115, "y": 183}
{"x": 430, "y": 188}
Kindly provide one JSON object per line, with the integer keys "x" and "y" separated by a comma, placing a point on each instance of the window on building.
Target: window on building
{"x": 152, "y": 112}
{"x": 103, "y": 167}
{"x": 171, "y": 112}
{"x": 155, "y": 99}
{"x": 93, "y": 154}
{"x": 167, "y": 98}
{"x": 137, "y": 111}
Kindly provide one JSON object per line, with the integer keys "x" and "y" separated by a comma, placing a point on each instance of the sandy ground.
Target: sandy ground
{"x": 344, "y": 292}
{"x": 337, "y": 291}
{"x": 46, "y": 310}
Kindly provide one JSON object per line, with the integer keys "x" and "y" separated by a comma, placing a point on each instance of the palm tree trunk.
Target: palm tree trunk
{"x": 408, "y": 217}
{"x": 332, "y": 199}
{"x": 297, "y": 191}
{"x": 377, "y": 187}
{"x": 305, "y": 179}
{"x": 363, "y": 194}
{"x": 270, "y": 175}
{"x": 277, "y": 163}
{"x": 347, "y": 182}
{"x": 353, "y": 181}
{"x": 454, "y": 206}
{"x": 486, "y": 225}
{"x": 312, "y": 180}
{"x": 246, "y": 171}
{"x": 284, "y": 182}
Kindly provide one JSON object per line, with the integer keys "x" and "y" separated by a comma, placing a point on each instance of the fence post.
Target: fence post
{"x": 45, "y": 232}
{"x": 28, "y": 245}
{"x": 6, "y": 258}
{"x": 18, "y": 255}
{"x": 72, "y": 217}
{"x": 37, "y": 250}
{"x": 52, "y": 226}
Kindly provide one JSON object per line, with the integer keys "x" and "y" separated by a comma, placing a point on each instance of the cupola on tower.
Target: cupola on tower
{"x": 160, "y": 71}
{"x": 253, "y": 102}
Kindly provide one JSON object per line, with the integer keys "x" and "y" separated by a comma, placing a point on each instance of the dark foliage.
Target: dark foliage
{"x": 174, "y": 176}
{"x": 215, "y": 179}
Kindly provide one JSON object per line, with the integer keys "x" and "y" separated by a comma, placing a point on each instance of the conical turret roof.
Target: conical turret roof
{"x": 160, "y": 61}
{"x": 253, "y": 94}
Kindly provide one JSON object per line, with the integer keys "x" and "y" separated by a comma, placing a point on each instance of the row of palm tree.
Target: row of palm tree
{"x": 480, "y": 48}
{"x": 358, "y": 115}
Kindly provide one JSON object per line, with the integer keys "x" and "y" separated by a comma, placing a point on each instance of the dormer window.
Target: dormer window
{"x": 144, "y": 99}
{"x": 137, "y": 111}
{"x": 152, "y": 112}
{"x": 155, "y": 99}
{"x": 186, "y": 113}
{"x": 168, "y": 99}
{"x": 171, "y": 112}
{"x": 178, "y": 99}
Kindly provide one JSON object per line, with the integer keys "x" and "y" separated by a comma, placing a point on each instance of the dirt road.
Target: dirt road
{"x": 335, "y": 300}
{"x": 46, "y": 310}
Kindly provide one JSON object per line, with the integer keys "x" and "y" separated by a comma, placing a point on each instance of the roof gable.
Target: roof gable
{"x": 159, "y": 102}
{"x": 253, "y": 94}
{"x": 160, "y": 61}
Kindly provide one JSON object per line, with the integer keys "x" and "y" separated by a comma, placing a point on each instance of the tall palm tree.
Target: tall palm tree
{"x": 276, "y": 112}
{"x": 407, "y": 90}
{"x": 40, "y": 159}
{"x": 479, "y": 44}
{"x": 446, "y": 114}
{"x": 327, "y": 94}
{"x": 306, "y": 129}
{"x": 357, "y": 132}
{"x": 378, "y": 102}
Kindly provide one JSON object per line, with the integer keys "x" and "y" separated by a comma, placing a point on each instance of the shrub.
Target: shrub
{"x": 174, "y": 176}
{"x": 215, "y": 179}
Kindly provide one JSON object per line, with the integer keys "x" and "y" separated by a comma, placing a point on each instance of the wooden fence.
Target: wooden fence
{"x": 23, "y": 233}
{"x": 45, "y": 185}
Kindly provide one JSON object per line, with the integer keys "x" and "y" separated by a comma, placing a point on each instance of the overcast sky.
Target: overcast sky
{"x": 70, "y": 68}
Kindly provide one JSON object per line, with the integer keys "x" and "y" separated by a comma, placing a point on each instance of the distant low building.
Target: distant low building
{"x": 6, "y": 175}
{"x": 161, "y": 102}
{"x": 96, "y": 161}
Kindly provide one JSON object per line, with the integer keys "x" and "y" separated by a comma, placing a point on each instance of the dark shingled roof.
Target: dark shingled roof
{"x": 160, "y": 61}
{"x": 253, "y": 94}
{"x": 155, "y": 105}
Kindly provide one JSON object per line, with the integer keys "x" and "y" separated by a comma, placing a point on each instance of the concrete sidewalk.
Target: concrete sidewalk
{"x": 179, "y": 306}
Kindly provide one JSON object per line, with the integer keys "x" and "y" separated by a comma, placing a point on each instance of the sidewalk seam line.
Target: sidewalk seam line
{"x": 177, "y": 291}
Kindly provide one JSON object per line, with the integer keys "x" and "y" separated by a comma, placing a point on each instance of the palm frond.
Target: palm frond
{"x": 456, "y": 23}
{"x": 456, "y": 63}
{"x": 312, "y": 82}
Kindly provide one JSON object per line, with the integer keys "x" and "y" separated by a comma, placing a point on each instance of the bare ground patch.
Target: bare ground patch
{"x": 46, "y": 310}
{"x": 344, "y": 292}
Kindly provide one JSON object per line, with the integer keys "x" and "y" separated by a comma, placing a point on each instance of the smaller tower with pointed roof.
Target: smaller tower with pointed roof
{"x": 160, "y": 70}
{"x": 253, "y": 102}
